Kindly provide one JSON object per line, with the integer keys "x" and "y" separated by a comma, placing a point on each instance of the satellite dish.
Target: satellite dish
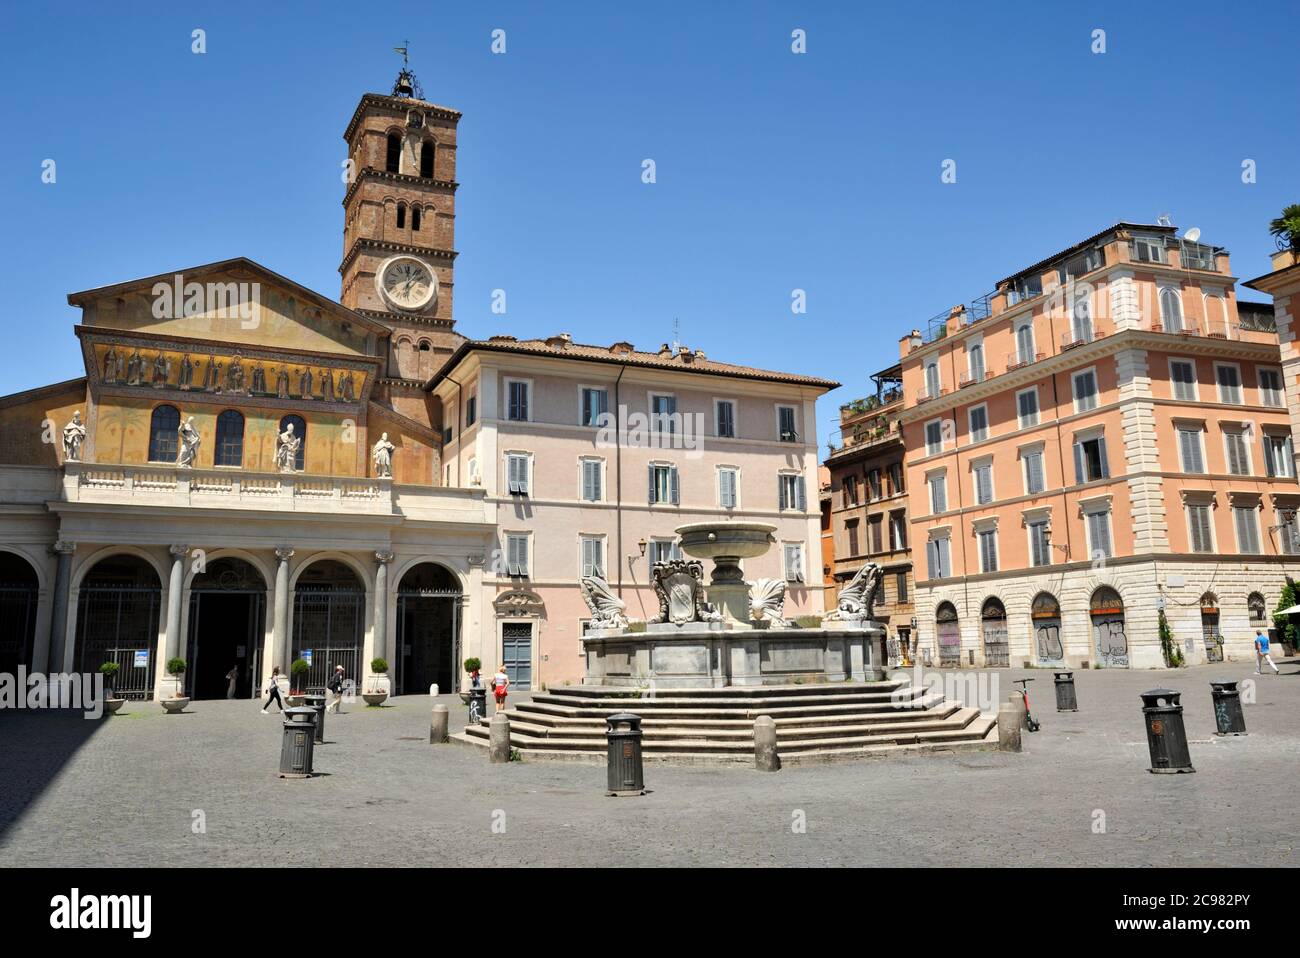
{"x": 1193, "y": 234}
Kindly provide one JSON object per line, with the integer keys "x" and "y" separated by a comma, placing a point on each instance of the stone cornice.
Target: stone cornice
{"x": 363, "y": 242}
{"x": 408, "y": 179}
{"x": 399, "y": 105}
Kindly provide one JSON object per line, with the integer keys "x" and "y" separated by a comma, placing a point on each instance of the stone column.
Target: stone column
{"x": 59, "y": 619}
{"x": 175, "y": 585}
{"x": 280, "y": 628}
{"x": 381, "y": 605}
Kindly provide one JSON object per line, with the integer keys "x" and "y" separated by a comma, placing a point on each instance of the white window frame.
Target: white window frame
{"x": 983, "y": 462}
{"x": 602, "y": 540}
{"x": 528, "y": 552}
{"x": 1038, "y": 409}
{"x": 671, "y": 467}
{"x": 930, "y": 450}
{"x": 656, "y": 427}
{"x": 970, "y": 422}
{"x": 582, "y": 477}
{"x": 735, "y": 412}
{"x": 1173, "y": 383}
{"x": 946, "y": 537}
{"x": 674, "y": 548}
{"x": 1280, "y": 393}
{"x": 1108, "y": 513}
{"x": 1286, "y": 455}
{"x": 1038, "y": 449}
{"x": 973, "y": 344}
{"x": 942, "y": 477}
{"x": 1022, "y": 324}
{"x": 800, "y": 571}
{"x": 582, "y": 387}
{"x": 528, "y": 468}
{"x": 932, "y": 393}
{"x": 720, "y": 469}
{"x": 1222, "y": 297}
{"x": 782, "y": 476}
{"x": 1096, "y": 389}
{"x": 1218, "y": 386}
{"x": 1160, "y": 305}
{"x": 794, "y": 419}
{"x": 528, "y": 383}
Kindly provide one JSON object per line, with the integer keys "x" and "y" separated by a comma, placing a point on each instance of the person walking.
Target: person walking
{"x": 336, "y": 686}
{"x": 500, "y": 682}
{"x": 273, "y": 691}
{"x": 232, "y": 682}
{"x": 1261, "y": 653}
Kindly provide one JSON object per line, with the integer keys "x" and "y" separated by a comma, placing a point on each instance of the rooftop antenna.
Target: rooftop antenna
{"x": 1164, "y": 219}
{"x": 677, "y": 343}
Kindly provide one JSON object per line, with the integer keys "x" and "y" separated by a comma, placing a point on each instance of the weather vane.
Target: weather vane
{"x": 402, "y": 50}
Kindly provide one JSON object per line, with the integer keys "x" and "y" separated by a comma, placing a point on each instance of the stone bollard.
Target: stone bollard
{"x": 499, "y": 739}
{"x": 1017, "y": 702}
{"x": 766, "y": 758}
{"x": 1008, "y": 728}
{"x": 438, "y": 723}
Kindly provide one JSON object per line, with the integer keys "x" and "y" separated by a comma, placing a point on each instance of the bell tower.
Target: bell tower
{"x": 399, "y": 224}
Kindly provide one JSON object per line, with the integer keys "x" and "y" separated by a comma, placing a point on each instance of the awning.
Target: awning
{"x": 1294, "y": 610}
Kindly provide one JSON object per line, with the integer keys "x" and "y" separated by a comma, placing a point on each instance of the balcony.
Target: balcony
{"x": 971, "y": 379}
{"x": 1082, "y": 334}
{"x": 1249, "y": 331}
{"x": 1017, "y": 361}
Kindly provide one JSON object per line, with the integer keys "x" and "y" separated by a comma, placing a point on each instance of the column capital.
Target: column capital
{"x": 284, "y": 553}
{"x": 475, "y": 561}
{"x": 384, "y": 557}
{"x": 178, "y": 551}
{"x": 63, "y": 547}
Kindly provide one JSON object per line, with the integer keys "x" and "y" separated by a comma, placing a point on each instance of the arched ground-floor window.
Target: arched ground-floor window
{"x": 949, "y": 632}
{"x": 994, "y": 619}
{"x": 1108, "y": 634}
{"x": 1210, "y": 633}
{"x": 117, "y": 621}
{"x": 1045, "y": 614}
{"x": 19, "y": 590}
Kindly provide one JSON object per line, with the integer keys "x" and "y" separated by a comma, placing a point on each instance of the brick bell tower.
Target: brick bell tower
{"x": 398, "y": 231}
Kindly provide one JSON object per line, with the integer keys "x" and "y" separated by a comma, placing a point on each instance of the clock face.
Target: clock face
{"x": 407, "y": 283}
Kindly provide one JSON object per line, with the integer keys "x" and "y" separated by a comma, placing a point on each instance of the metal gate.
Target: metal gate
{"x": 414, "y": 610}
{"x": 1211, "y": 635}
{"x": 997, "y": 653}
{"x": 328, "y": 622}
{"x": 517, "y": 653}
{"x": 117, "y": 624}
{"x": 17, "y": 635}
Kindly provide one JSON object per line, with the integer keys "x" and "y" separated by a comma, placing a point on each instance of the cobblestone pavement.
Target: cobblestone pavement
{"x": 125, "y": 791}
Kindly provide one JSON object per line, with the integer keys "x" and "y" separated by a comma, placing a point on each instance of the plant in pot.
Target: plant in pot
{"x": 109, "y": 670}
{"x": 473, "y": 665}
{"x": 378, "y": 691}
{"x": 298, "y": 670}
{"x": 176, "y": 703}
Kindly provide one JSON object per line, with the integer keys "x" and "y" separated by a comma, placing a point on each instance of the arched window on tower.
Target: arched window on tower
{"x": 401, "y": 216}
{"x": 162, "y": 434}
{"x": 393, "y": 161}
{"x": 426, "y": 160}
{"x": 229, "y": 449}
{"x": 415, "y": 218}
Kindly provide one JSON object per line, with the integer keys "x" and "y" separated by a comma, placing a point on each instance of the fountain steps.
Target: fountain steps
{"x": 719, "y": 726}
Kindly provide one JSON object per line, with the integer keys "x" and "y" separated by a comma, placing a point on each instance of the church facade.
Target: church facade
{"x": 250, "y": 473}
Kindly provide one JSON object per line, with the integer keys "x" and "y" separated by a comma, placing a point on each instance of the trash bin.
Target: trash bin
{"x": 296, "y": 746}
{"x": 1228, "y": 717}
{"x": 623, "y": 737}
{"x": 1166, "y": 736}
{"x": 317, "y": 702}
{"x": 477, "y": 705}
{"x": 1066, "y": 700}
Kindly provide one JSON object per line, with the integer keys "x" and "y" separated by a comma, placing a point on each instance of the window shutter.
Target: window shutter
{"x": 652, "y": 484}
{"x": 1035, "y": 467}
{"x": 802, "y": 493}
{"x": 1101, "y": 455}
{"x": 672, "y": 480}
{"x": 782, "y": 504}
{"x": 1078, "y": 463}
{"x": 984, "y": 484}
{"x": 727, "y": 478}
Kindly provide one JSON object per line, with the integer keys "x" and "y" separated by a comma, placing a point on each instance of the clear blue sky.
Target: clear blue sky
{"x": 776, "y": 171}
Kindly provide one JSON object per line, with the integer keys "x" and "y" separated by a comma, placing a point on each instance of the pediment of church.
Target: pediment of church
{"x": 234, "y": 301}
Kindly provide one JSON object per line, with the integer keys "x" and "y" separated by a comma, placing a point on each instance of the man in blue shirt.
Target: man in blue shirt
{"x": 1261, "y": 653}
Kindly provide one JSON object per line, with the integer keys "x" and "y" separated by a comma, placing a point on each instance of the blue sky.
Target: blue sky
{"x": 775, "y": 171}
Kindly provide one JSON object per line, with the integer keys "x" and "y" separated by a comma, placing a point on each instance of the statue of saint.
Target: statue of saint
{"x": 259, "y": 378}
{"x": 162, "y": 368}
{"x": 346, "y": 387}
{"x": 111, "y": 370}
{"x": 134, "y": 369}
{"x": 186, "y": 378}
{"x": 74, "y": 434}
{"x": 188, "y": 450}
{"x": 235, "y": 375}
{"x": 286, "y": 450}
{"x": 326, "y": 385}
{"x": 382, "y": 456}
{"x": 210, "y": 374}
{"x": 304, "y": 384}
{"x": 282, "y": 383}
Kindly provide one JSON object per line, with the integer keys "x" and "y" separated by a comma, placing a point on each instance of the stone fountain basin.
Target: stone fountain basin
{"x": 733, "y": 540}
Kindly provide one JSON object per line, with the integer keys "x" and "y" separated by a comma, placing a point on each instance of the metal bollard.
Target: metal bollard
{"x": 296, "y": 745}
{"x": 477, "y": 705}
{"x": 317, "y": 703}
{"x": 499, "y": 739}
{"x": 1228, "y": 718}
{"x": 766, "y": 758}
{"x": 1166, "y": 736}
{"x": 624, "y": 772}
{"x": 1066, "y": 700}
{"x": 1008, "y": 728}
{"x": 439, "y": 722}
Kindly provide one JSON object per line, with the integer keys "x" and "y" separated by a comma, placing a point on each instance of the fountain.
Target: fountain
{"x": 729, "y": 632}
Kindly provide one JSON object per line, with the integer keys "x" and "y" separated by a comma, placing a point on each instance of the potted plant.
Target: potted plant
{"x": 109, "y": 670}
{"x": 472, "y": 666}
{"x": 176, "y": 702}
{"x": 377, "y": 693}
{"x": 298, "y": 670}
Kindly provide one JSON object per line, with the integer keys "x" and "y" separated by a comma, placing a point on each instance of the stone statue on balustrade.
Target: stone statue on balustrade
{"x": 74, "y": 435}
{"x": 382, "y": 456}
{"x": 286, "y": 450}
{"x": 857, "y": 599}
{"x": 608, "y": 611}
{"x": 679, "y": 585}
{"x": 188, "y": 444}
